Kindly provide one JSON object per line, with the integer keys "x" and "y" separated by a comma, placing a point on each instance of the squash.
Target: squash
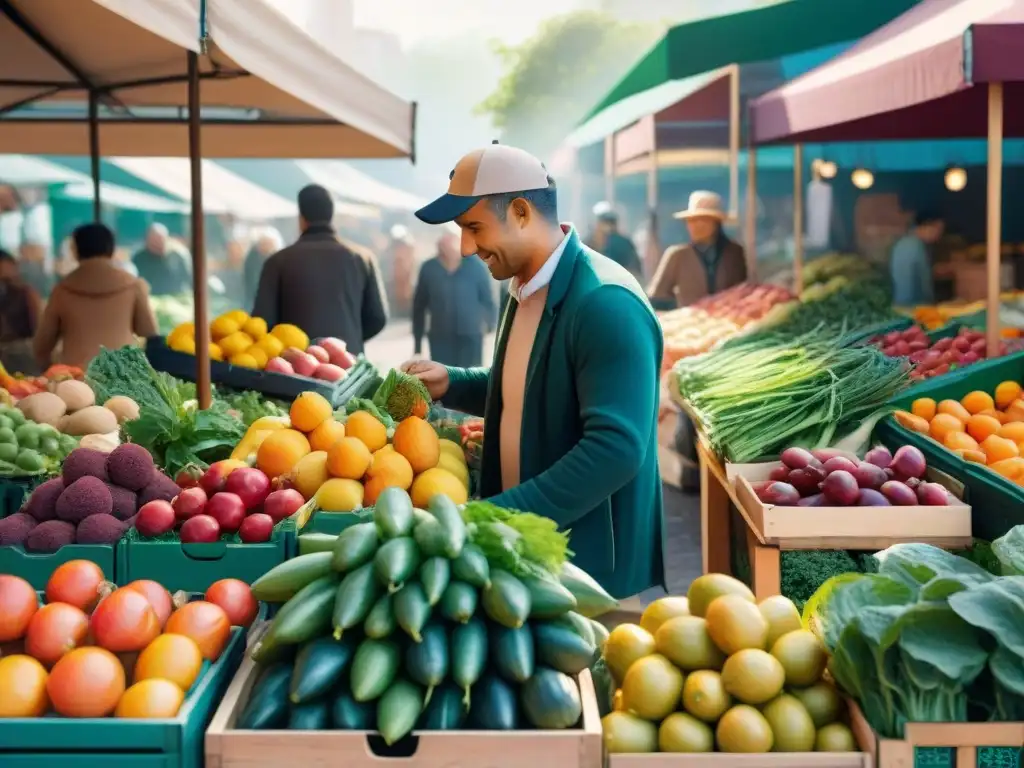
{"x": 76, "y": 394}
{"x": 43, "y": 408}
{"x": 92, "y": 420}
{"x": 256, "y": 434}
{"x": 123, "y": 407}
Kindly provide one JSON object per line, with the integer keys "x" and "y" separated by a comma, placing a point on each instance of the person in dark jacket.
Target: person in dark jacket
{"x": 161, "y": 265}
{"x": 20, "y": 307}
{"x": 456, "y": 295}
{"x": 266, "y": 243}
{"x": 323, "y": 285}
{"x": 606, "y": 239}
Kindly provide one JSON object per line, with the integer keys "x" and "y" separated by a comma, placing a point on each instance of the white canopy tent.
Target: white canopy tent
{"x": 347, "y": 183}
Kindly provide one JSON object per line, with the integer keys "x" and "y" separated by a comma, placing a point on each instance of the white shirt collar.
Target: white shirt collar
{"x": 544, "y": 274}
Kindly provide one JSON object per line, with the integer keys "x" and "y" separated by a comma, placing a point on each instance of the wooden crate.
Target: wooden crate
{"x": 943, "y": 745}
{"x": 227, "y": 747}
{"x": 723, "y": 760}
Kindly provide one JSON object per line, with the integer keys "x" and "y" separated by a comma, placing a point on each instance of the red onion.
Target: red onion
{"x": 869, "y": 497}
{"x": 932, "y": 495}
{"x": 796, "y": 458}
{"x": 908, "y": 461}
{"x": 779, "y": 494}
{"x": 817, "y": 500}
{"x": 899, "y": 494}
{"x": 879, "y": 456}
{"x": 779, "y": 473}
{"x": 869, "y": 475}
{"x": 840, "y": 488}
{"x": 840, "y": 463}
{"x": 804, "y": 481}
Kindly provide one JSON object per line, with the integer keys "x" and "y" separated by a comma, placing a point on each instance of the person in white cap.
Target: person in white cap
{"x": 710, "y": 263}
{"x": 606, "y": 239}
{"x": 570, "y": 401}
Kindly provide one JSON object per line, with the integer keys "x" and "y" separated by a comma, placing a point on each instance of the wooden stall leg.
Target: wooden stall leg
{"x": 714, "y": 520}
{"x": 765, "y": 567}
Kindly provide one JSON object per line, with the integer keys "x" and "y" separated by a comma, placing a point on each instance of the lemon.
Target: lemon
{"x": 185, "y": 330}
{"x": 454, "y": 449}
{"x": 184, "y": 344}
{"x": 291, "y": 335}
{"x": 339, "y": 495}
{"x": 437, "y": 481}
{"x": 235, "y": 343}
{"x": 243, "y": 360}
{"x": 256, "y": 352}
{"x": 271, "y": 345}
{"x": 223, "y": 327}
{"x": 240, "y": 316}
{"x": 456, "y": 467}
{"x": 216, "y": 353}
{"x": 255, "y": 327}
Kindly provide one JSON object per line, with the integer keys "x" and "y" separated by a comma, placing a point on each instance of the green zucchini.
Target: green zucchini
{"x": 551, "y": 700}
{"x": 267, "y": 707}
{"x": 600, "y": 634}
{"x": 431, "y": 538}
{"x": 559, "y": 647}
{"x": 380, "y": 621}
{"x": 458, "y": 603}
{"x": 512, "y": 652}
{"x": 300, "y": 619}
{"x": 355, "y": 546}
{"x": 468, "y": 655}
{"x": 373, "y": 668}
{"x": 581, "y": 625}
{"x": 347, "y": 714}
{"x": 426, "y": 662}
{"x": 495, "y": 705}
{"x": 506, "y": 600}
{"x": 447, "y": 514}
{"x": 284, "y": 581}
{"x": 311, "y": 716}
{"x": 419, "y": 515}
{"x": 435, "y": 574}
{"x": 355, "y": 597}
{"x": 548, "y": 598}
{"x": 396, "y": 561}
{"x": 320, "y": 664}
{"x": 316, "y": 542}
{"x": 591, "y": 599}
{"x": 446, "y": 710}
{"x": 392, "y": 514}
{"x": 411, "y": 609}
{"x": 398, "y": 710}
{"x": 471, "y": 566}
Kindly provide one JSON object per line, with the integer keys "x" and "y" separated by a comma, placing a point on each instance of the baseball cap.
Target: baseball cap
{"x": 494, "y": 170}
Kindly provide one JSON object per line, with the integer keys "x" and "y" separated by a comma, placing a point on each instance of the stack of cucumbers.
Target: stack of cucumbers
{"x": 402, "y": 623}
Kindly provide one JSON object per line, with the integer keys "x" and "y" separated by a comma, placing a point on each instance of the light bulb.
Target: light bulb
{"x": 862, "y": 178}
{"x": 956, "y": 179}
{"x": 827, "y": 169}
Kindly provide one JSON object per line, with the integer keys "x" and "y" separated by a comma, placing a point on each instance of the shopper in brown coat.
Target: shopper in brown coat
{"x": 97, "y": 305}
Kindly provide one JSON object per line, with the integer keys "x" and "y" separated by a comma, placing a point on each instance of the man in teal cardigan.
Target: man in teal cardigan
{"x": 570, "y": 402}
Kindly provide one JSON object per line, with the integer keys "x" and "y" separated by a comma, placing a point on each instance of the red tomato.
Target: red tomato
{"x": 124, "y": 622}
{"x": 205, "y": 623}
{"x": 18, "y": 604}
{"x": 88, "y": 682}
{"x": 235, "y": 597}
{"x": 77, "y": 583}
{"x": 158, "y": 597}
{"x": 56, "y": 629}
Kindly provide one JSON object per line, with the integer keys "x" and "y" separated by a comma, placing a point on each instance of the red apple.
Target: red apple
{"x": 215, "y": 477}
{"x": 256, "y": 529}
{"x": 155, "y": 518}
{"x": 201, "y": 529}
{"x": 189, "y": 503}
{"x": 250, "y": 485}
{"x": 283, "y": 504}
{"x": 227, "y": 509}
{"x": 329, "y": 372}
{"x": 319, "y": 353}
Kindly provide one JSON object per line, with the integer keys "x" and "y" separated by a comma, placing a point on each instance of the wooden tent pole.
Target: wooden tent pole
{"x": 204, "y": 389}
{"x": 750, "y": 228}
{"x": 734, "y": 140}
{"x": 798, "y": 218}
{"x": 994, "y": 207}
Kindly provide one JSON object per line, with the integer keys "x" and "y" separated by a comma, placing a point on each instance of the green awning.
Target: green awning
{"x": 120, "y": 197}
{"x": 757, "y": 35}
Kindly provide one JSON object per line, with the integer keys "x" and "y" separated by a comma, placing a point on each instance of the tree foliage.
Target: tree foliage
{"x": 552, "y": 79}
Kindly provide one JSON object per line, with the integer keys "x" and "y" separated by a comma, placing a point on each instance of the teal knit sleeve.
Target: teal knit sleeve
{"x": 467, "y": 390}
{"x": 618, "y": 353}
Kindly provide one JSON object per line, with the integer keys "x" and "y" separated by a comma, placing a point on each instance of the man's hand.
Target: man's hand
{"x": 433, "y": 375}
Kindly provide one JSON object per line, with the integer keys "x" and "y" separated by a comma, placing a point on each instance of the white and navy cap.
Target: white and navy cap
{"x": 495, "y": 170}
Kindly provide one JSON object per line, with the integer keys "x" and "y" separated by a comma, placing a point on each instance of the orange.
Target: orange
{"x": 309, "y": 410}
{"x": 326, "y": 435}
{"x": 977, "y": 401}
{"x": 280, "y": 451}
{"x": 390, "y": 468}
{"x": 1011, "y": 469}
{"x": 960, "y": 441}
{"x": 943, "y": 424}
{"x": 911, "y": 422}
{"x": 87, "y": 682}
{"x": 1015, "y": 411}
{"x": 923, "y": 407}
{"x": 980, "y": 426}
{"x": 172, "y": 657}
{"x": 349, "y": 458}
{"x": 365, "y": 427}
{"x": 418, "y": 442}
{"x": 977, "y": 457}
{"x": 998, "y": 448}
{"x": 151, "y": 698}
{"x": 953, "y": 408}
{"x": 1013, "y": 431}
{"x": 23, "y": 682}
{"x": 996, "y": 414}
{"x": 1007, "y": 392}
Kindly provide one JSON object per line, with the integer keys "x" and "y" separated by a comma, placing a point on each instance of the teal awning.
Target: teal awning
{"x": 757, "y": 35}
{"x": 120, "y": 197}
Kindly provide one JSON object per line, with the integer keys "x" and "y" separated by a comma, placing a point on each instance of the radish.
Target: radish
{"x": 227, "y": 509}
{"x": 201, "y": 529}
{"x": 250, "y": 485}
{"x": 189, "y": 503}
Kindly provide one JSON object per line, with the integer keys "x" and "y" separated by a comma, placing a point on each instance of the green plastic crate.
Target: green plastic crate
{"x": 863, "y": 334}
{"x": 194, "y": 567}
{"x": 12, "y": 495}
{"x": 331, "y": 523}
{"x": 36, "y": 568}
{"x": 176, "y": 742}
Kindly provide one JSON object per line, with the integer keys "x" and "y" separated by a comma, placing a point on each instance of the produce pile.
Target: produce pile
{"x": 749, "y": 677}
{"x": 13, "y": 388}
{"x": 246, "y": 342}
{"x": 828, "y": 478}
{"x": 431, "y": 620}
{"x": 71, "y": 408}
{"x": 980, "y": 427}
{"x": 697, "y": 328}
{"x": 927, "y": 638}
{"x": 755, "y": 396}
{"x": 94, "y": 501}
{"x": 935, "y": 359}
{"x": 93, "y": 650}
{"x": 28, "y": 448}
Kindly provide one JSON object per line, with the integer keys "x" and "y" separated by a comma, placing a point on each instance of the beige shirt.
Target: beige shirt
{"x": 513, "y": 381}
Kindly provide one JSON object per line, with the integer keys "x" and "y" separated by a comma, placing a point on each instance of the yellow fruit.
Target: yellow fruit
{"x": 704, "y": 589}
{"x": 364, "y": 426}
{"x": 255, "y": 327}
{"x": 753, "y": 676}
{"x": 235, "y": 343}
{"x": 291, "y": 335}
{"x": 735, "y": 623}
{"x": 280, "y": 451}
{"x": 348, "y": 458}
{"x": 258, "y": 355}
{"x": 339, "y": 495}
{"x": 626, "y": 643}
{"x": 437, "y": 481}
{"x": 223, "y": 327}
{"x": 652, "y": 688}
{"x": 215, "y": 352}
{"x": 418, "y": 442}
{"x": 624, "y": 733}
{"x": 184, "y": 344}
{"x": 326, "y": 435}
{"x": 272, "y": 345}
{"x": 389, "y": 469}
{"x": 244, "y": 360}
{"x": 185, "y": 330}
{"x": 309, "y": 410}
{"x": 744, "y": 729}
{"x": 705, "y": 697}
{"x": 782, "y": 617}
{"x": 309, "y": 473}
{"x": 240, "y": 316}
{"x": 456, "y": 467}
{"x": 171, "y": 657}
{"x": 802, "y": 656}
{"x": 663, "y": 609}
{"x": 154, "y": 698}
{"x": 23, "y": 682}
{"x": 453, "y": 449}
